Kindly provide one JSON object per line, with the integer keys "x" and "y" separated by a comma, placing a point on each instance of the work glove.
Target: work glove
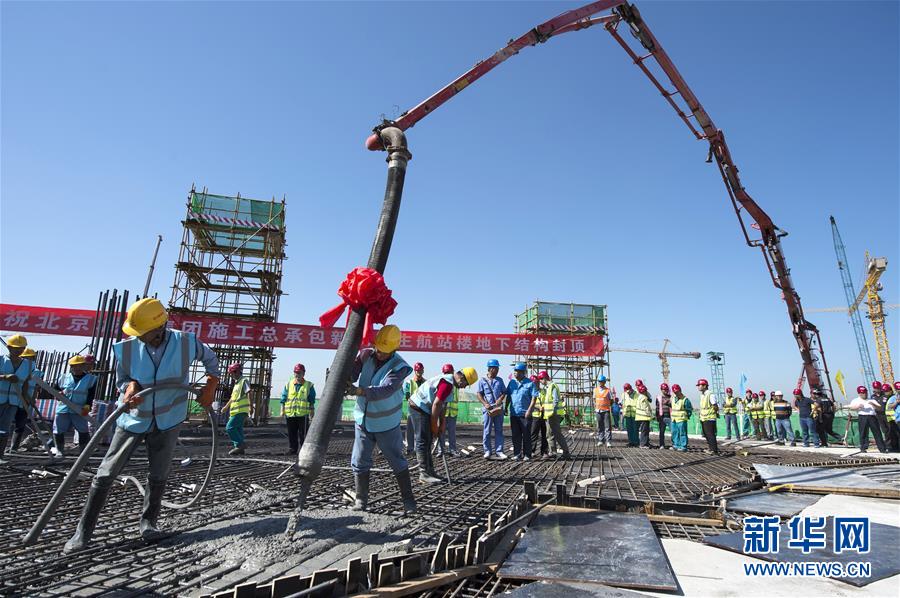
{"x": 209, "y": 392}
{"x": 85, "y": 410}
{"x": 129, "y": 399}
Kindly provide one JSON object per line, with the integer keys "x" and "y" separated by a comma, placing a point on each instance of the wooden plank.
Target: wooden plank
{"x": 412, "y": 567}
{"x": 354, "y": 579}
{"x": 245, "y": 590}
{"x": 471, "y": 543}
{"x": 531, "y": 492}
{"x": 561, "y": 495}
{"x": 408, "y": 588}
{"x": 439, "y": 560}
{"x": 386, "y": 574}
{"x": 374, "y": 563}
{"x": 323, "y": 575}
{"x": 289, "y": 584}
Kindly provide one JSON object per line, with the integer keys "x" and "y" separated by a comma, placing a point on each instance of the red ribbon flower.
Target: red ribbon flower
{"x": 363, "y": 288}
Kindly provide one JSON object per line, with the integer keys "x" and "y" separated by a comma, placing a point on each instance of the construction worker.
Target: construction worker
{"x": 730, "y": 409}
{"x": 428, "y": 408}
{"x": 603, "y": 410}
{"x": 538, "y": 426}
{"x": 298, "y": 405}
{"x": 783, "y": 428}
{"x": 492, "y": 395}
{"x": 238, "y": 407}
{"x": 554, "y": 411}
{"x": 523, "y": 396}
{"x": 409, "y": 389}
{"x": 709, "y": 412}
{"x": 663, "y": 412}
{"x": 829, "y": 413}
{"x": 643, "y": 413}
{"x": 893, "y": 405}
{"x": 79, "y": 387}
{"x": 154, "y": 354}
{"x": 867, "y": 408}
{"x": 681, "y": 413}
{"x": 884, "y": 394}
{"x": 746, "y": 420}
{"x": 628, "y": 399}
{"x": 769, "y": 415}
{"x": 616, "y": 411}
{"x": 807, "y": 425}
{"x": 450, "y": 414}
{"x": 28, "y": 386}
{"x": 379, "y": 372}
{"x": 821, "y": 406}
{"x": 14, "y": 371}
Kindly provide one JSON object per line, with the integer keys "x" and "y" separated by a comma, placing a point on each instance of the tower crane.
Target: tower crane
{"x": 663, "y": 356}
{"x": 875, "y": 267}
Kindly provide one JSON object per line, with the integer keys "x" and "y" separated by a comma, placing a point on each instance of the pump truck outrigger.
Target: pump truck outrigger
{"x": 389, "y": 136}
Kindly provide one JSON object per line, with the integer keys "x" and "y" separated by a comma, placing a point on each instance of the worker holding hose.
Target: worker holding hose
{"x": 153, "y": 356}
{"x": 79, "y": 386}
{"x": 14, "y": 371}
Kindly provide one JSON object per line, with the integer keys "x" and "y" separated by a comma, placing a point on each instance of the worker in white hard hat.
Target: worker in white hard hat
{"x": 14, "y": 371}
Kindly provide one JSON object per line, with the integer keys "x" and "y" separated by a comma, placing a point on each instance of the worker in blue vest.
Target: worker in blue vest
{"x": 14, "y": 371}
{"x": 379, "y": 373}
{"x": 28, "y": 387}
{"x": 298, "y": 405}
{"x": 428, "y": 410}
{"x": 79, "y": 388}
{"x": 153, "y": 356}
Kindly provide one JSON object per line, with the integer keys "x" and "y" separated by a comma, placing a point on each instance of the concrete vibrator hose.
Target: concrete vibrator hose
{"x": 35, "y": 532}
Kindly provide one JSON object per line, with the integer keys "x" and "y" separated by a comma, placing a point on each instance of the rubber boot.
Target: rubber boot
{"x": 88, "y": 521}
{"x": 60, "y": 441}
{"x": 362, "y": 491}
{"x": 152, "y": 506}
{"x": 406, "y": 491}
{"x": 17, "y": 440}
{"x": 426, "y": 475}
{"x": 4, "y": 438}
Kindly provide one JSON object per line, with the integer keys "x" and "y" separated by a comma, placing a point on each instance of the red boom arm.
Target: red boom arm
{"x": 697, "y": 120}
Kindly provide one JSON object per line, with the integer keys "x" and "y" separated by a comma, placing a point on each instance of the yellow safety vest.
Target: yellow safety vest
{"x": 547, "y": 400}
{"x": 730, "y": 406}
{"x": 642, "y": 410}
{"x": 755, "y": 409}
{"x": 297, "y": 404}
{"x": 452, "y": 409}
{"x": 628, "y": 405}
{"x": 707, "y": 411}
{"x": 679, "y": 409}
{"x": 769, "y": 409}
{"x": 240, "y": 401}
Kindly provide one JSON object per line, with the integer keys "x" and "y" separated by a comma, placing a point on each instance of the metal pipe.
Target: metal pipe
{"x": 152, "y": 266}
{"x": 312, "y": 453}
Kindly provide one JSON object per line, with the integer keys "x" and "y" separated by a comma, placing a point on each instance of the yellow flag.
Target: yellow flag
{"x": 839, "y": 378}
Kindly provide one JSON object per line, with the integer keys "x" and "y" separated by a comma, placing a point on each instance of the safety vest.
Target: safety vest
{"x": 601, "y": 399}
{"x": 547, "y": 401}
{"x": 383, "y": 414}
{"x": 755, "y": 409}
{"x": 240, "y": 398}
{"x": 427, "y": 393}
{"x": 679, "y": 409}
{"x": 453, "y": 403}
{"x": 167, "y": 408}
{"x": 730, "y": 406}
{"x": 297, "y": 403}
{"x": 707, "y": 411}
{"x": 643, "y": 412}
{"x": 628, "y": 404}
{"x": 75, "y": 390}
{"x": 769, "y": 409}
{"x": 10, "y": 391}
{"x": 31, "y": 385}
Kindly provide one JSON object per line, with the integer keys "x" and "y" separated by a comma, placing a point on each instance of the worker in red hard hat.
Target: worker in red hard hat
{"x": 730, "y": 409}
{"x": 238, "y": 407}
{"x": 804, "y": 405}
{"x": 643, "y": 413}
{"x": 893, "y": 409}
{"x": 410, "y": 387}
{"x": 746, "y": 420}
{"x": 885, "y": 419}
{"x": 628, "y": 400}
{"x": 868, "y": 407}
{"x": 451, "y": 412}
{"x": 298, "y": 405}
{"x": 663, "y": 411}
{"x": 554, "y": 411}
{"x": 538, "y": 426}
{"x": 681, "y": 413}
{"x": 709, "y": 412}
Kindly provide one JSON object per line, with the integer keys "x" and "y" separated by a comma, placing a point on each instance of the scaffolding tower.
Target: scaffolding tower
{"x": 230, "y": 265}
{"x": 576, "y": 375}
{"x": 716, "y": 363}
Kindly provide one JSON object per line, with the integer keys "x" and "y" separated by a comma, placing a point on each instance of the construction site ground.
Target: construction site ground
{"x": 235, "y": 535}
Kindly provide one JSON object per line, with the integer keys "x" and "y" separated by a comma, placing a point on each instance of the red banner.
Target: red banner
{"x": 237, "y": 331}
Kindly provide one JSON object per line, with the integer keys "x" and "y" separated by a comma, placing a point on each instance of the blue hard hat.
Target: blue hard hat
{"x": 493, "y": 363}
{"x": 520, "y": 367}
{"x": 602, "y": 378}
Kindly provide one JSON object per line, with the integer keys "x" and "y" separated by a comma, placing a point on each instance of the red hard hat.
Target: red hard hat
{"x": 626, "y": 386}
{"x": 896, "y": 385}
{"x": 418, "y": 367}
{"x": 664, "y": 386}
{"x": 638, "y": 382}
{"x": 90, "y": 359}
{"x": 756, "y": 395}
{"x": 729, "y": 389}
{"x": 642, "y": 389}
{"x": 447, "y": 368}
{"x": 798, "y": 392}
{"x": 862, "y": 389}
{"x": 235, "y": 367}
{"x": 533, "y": 378}
{"x": 543, "y": 375}
{"x": 299, "y": 368}
{"x": 761, "y": 392}
{"x": 877, "y": 385}
{"x": 749, "y": 392}
{"x": 676, "y": 388}
{"x": 703, "y": 382}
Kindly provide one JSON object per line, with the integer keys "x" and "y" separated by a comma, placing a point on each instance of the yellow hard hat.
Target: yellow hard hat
{"x": 77, "y": 360}
{"x": 28, "y": 352}
{"x": 388, "y": 339}
{"x": 18, "y": 341}
{"x": 143, "y": 316}
{"x": 471, "y": 375}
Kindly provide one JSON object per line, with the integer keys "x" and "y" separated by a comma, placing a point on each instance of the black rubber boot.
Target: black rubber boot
{"x": 406, "y": 491}
{"x": 4, "y": 438}
{"x": 362, "y": 491}
{"x": 17, "y": 440}
{"x": 152, "y": 507}
{"x": 60, "y": 442}
{"x": 426, "y": 474}
{"x": 88, "y": 521}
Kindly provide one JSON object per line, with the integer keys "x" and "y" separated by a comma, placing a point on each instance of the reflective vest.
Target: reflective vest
{"x": 643, "y": 411}
{"x": 547, "y": 401}
{"x": 427, "y": 393}
{"x": 628, "y": 404}
{"x": 297, "y": 403}
{"x": 384, "y": 414}
{"x": 679, "y": 409}
{"x": 453, "y": 403}
{"x": 601, "y": 399}
{"x": 167, "y": 408}
{"x": 768, "y": 409}
{"x": 240, "y": 397}
{"x": 10, "y": 392}
{"x": 755, "y": 409}
{"x": 75, "y": 390}
{"x": 730, "y": 406}
{"x": 707, "y": 409}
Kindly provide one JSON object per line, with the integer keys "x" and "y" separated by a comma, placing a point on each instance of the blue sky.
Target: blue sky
{"x": 561, "y": 176}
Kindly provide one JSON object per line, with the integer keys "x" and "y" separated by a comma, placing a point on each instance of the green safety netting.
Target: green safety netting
{"x": 244, "y": 217}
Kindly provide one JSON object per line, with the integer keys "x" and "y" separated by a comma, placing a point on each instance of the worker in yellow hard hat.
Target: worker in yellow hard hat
{"x": 14, "y": 372}
{"x": 155, "y": 353}
{"x": 28, "y": 387}
{"x": 379, "y": 373}
{"x": 79, "y": 387}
